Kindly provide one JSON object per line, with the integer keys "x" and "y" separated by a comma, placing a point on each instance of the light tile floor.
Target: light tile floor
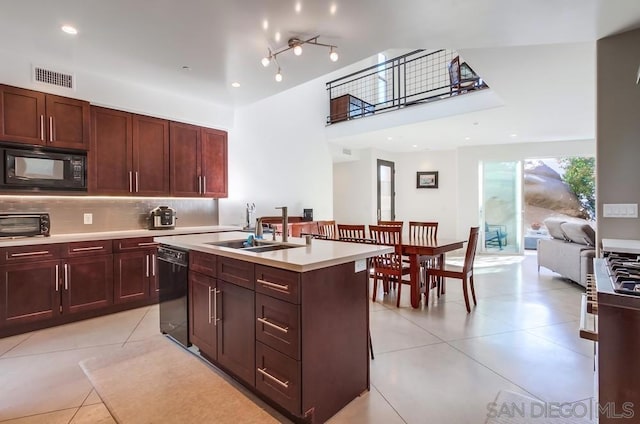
{"x": 436, "y": 364}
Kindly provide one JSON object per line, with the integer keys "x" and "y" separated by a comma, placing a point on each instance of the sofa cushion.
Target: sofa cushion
{"x": 579, "y": 232}
{"x": 553, "y": 226}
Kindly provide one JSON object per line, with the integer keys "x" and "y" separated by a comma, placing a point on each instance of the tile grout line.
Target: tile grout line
{"x": 388, "y": 403}
{"x": 36, "y": 415}
{"x": 19, "y": 343}
{"x": 134, "y": 328}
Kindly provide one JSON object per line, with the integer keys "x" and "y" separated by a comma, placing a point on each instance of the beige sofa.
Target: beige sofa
{"x": 571, "y": 249}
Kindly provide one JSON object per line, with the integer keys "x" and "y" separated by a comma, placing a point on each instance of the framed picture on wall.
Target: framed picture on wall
{"x": 427, "y": 179}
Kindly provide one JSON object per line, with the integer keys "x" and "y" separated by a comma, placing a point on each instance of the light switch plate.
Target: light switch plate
{"x": 620, "y": 210}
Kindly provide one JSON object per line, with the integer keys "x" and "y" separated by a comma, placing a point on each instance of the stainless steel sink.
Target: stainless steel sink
{"x": 259, "y": 245}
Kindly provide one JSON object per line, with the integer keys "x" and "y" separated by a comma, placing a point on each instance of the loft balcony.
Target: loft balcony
{"x": 414, "y": 78}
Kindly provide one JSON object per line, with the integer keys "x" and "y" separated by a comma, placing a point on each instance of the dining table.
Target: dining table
{"x": 416, "y": 247}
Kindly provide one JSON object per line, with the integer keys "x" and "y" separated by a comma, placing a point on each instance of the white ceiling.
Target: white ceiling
{"x": 517, "y": 46}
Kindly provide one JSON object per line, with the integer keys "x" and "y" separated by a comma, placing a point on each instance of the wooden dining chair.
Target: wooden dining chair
{"x": 327, "y": 229}
{"x": 391, "y": 223}
{"x": 388, "y": 267}
{"x": 348, "y": 232}
{"x": 465, "y": 275}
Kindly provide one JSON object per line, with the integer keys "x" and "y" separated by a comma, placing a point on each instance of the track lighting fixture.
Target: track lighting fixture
{"x": 296, "y": 44}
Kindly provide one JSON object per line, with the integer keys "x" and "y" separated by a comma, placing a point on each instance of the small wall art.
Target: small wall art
{"x": 427, "y": 179}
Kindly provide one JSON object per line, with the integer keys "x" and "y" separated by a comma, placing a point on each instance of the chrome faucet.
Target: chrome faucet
{"x": 259, "y": 227}
{"x": 285, "y": 223}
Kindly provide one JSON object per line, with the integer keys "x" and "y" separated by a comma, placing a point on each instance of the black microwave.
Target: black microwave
{"x": 36, "y": 169}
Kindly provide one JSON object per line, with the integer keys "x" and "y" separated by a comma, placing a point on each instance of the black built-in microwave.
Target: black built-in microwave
{"x": 38, "y": 169}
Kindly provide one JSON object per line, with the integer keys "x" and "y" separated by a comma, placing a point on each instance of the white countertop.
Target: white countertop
{"x": 621, "y": 245}
{"x": 105, "y": 235}
{"x": 319, "y": 254}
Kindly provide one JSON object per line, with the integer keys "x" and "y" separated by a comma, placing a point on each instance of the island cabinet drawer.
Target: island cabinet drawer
{"x": 126, "y": 245}
{"x": 87, "y": 248}
{"x": 279, "y": 283}
{"x": 278, "y": 377}
{"x": 236, "y": 272}
{"x": 204, "y": 263}
{"x": 278, "y": 325}
{"x": 41, "y": 252}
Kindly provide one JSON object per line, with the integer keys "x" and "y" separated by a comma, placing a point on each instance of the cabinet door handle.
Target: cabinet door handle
{"x": 215, "y": 306}
{"x": 42, "y": 127}
{"x": 199, "y": 184}
{"x": 147, "y": 256}
{"x": 66, "y": 276}
{"x": 84, "y": 249}
{"x": 272, "y": 325}
{"x": 269, "y": 284}
{"x": 153, "y": 265}
{"x": 38, "y": 253}
{"x": 204, "y": 185}
{"x": 137, "y": 184}
{"x": 147, "y": 243}
{"x": 210, "y": 317}
{"x": 51, "y": 129}
{"x": 57, "y": 277}
{"x": 130, "y": 182}
{"x": 264, "y": 372}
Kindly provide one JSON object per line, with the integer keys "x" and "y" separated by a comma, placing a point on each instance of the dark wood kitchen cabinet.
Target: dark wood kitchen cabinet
{"x": 221, "y": 312}
{"x": 36, "y": 118}
{"x": 198, "y": 162}
{"x": 135, "y": 275}
{"x": 43, "y": 282}
{"x": 129, "y": 154}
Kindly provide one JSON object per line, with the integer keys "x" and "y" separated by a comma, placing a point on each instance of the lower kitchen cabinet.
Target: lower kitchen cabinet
{"x": 87, "y": 283}
{"x": 29, "y": 292}
{"x": 221, "y": 314}
{"x": 135, "y": 275}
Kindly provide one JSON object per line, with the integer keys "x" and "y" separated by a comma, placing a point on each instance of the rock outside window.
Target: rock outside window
{"x": 427, "y": 179}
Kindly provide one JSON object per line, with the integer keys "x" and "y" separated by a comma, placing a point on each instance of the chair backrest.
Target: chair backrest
{"x": 423, "y": 230}
{"x": 386, "y": 234}
{"x": 327, "y": 229}
{"x": 470, "y": 255}
{"x": 391, "y": 223}
{"x": 454, "y": 73}
{"x": 351, "y": 232}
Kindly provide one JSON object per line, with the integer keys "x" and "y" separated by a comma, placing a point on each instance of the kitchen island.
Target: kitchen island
{"x": 291, "y": 323}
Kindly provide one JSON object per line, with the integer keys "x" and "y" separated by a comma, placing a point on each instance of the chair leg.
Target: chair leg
{"x": 371, "y": 346}
{"x": 399, "y": 292}
{"x": 473, "y": 290}
{"x": 427, "y": 288}
{"x": 465, "y": 291}
{"x": 375, "y": 288}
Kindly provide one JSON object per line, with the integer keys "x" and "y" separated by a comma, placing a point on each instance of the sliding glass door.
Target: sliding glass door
{"x": 501, "y": 207}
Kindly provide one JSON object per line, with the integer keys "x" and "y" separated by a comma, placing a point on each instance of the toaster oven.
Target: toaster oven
{"x": 24, "y": 224}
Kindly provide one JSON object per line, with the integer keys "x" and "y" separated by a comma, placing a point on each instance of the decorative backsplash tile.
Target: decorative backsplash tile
{"x": 110, "y": 213}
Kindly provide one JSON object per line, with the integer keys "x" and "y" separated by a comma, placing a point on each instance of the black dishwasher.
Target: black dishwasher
{"x": 173, "y": 277}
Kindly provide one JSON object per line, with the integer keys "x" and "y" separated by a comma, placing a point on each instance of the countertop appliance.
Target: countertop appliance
{"x": 162, "y": 217}
{"x": 173, "y": 273}
{"x": 36, "y": 169}
{"x": 24, "y": 224}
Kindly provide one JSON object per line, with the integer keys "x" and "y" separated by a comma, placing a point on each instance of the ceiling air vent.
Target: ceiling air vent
{"x": 346, "y": 152}
{"x": 48, "y": 76}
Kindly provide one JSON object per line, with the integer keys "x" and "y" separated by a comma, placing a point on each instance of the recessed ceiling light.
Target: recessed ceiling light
{"x": 389, "y": 138}
{"x": 69, "y": 29}
{"x": 277, "y": 36}
{"x": 235, "y": 84}
{"x": 415, "y": 145}
{"x": 514, "y": 135}
{"x": 298, "y": 6}
{"x": 265, "y": 24}
{"x": 333, "y": 8}
{"x": 467, "y": 138}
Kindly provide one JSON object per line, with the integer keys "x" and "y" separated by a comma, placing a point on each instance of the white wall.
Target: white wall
{"x": 278, "y": 156}
{"x": 455, "y": 203}
{"x": 109, "y": 92}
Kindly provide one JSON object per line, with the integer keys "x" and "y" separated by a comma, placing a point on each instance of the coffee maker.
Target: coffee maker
{"x": 162, "y": 217}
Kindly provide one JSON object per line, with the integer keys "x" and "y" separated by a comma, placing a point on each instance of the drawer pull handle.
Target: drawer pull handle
{"x": 148, "y": 243}
{"x": 38, "y": 253}
{"x": 57, "y": 277}
{"x": 279, "y": 287}
{"x": 85, "y": 249}
{"x": 284, "y": 384}
{"x": 272, "y": 325}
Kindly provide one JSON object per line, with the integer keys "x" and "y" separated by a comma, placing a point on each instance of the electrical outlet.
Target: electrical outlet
{"x": 88, "y": 218}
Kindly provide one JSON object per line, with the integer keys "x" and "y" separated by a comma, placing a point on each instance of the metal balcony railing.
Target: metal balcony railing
{"x": 413, "y": 78}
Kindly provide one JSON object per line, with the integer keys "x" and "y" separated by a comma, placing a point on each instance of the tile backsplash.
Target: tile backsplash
{"x": 110, "y": 213}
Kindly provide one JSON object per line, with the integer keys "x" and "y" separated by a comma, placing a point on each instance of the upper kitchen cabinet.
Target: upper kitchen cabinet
{"x": 36, "y": 118}
{"x": 198, "y": 161}
{"x": 129, "y": 154}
